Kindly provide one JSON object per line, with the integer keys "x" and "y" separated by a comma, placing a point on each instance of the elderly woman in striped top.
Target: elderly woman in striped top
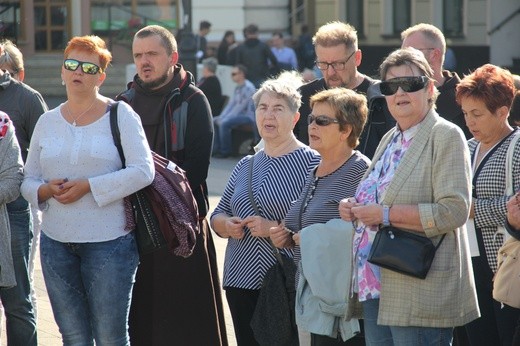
{"x": 278, "y": 176}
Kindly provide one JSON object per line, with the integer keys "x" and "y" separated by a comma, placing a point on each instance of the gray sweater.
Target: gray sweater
{"x": 11, "y": 175}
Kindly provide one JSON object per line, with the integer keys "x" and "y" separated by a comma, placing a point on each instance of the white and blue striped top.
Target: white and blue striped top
{"x": 277, "y": 182}
{"x": 320, "y": 198}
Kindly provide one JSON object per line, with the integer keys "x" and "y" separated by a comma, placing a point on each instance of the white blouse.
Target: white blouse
{"x": 60, "y": 150}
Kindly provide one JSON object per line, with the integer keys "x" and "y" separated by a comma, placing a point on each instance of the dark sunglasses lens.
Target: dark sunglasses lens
{"x": 321, "y": 120}
{"x": 407, "y": 84}
{"x": 89, "y": 68}
{"x": 388, "y": 88}
{"x": 71, "y": 65}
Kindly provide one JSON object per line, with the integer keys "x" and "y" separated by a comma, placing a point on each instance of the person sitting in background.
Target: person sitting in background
{"x": 285, "y": 55}
{"x": 210, "y": 85}
{"x": 238, "y": 111}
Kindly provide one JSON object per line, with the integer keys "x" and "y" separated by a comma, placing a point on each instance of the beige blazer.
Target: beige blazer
{"x": 435, "y": 174}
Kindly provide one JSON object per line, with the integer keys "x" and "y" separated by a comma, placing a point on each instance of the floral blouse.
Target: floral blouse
{"x": 367, "y": 277}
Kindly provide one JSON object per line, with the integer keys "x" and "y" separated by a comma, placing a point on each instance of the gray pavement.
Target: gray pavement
{"x": 48, "y": 334}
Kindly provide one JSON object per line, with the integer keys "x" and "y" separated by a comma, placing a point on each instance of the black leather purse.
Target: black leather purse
{"x": 403, "y": 252}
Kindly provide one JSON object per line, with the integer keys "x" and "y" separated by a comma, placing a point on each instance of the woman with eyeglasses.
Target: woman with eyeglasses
{"x": 419, "y": 181}
{"x": 335, "y": 124}
{"x": 486, "y": 96}
{"x": 74, "y": 175}
{"x": 275, "y": 179}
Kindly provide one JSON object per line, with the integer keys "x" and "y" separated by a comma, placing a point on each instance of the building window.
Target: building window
{"x": 452, "y": 13}
{"x": 397, "y": 16}
{"x": 122, "y": 19}
{"x": 402, "y": 13}
{"x": 10, "y": 20}
{"x": 355, "y": 16}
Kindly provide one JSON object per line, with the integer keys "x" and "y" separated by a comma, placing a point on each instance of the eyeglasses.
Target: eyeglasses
{"x": 407, "y": 84}
{"x": 421, "y": 49}
{"x": 86, "y": 67}
{"x": 321, "y": 120}
{"x": 336, "y": 65}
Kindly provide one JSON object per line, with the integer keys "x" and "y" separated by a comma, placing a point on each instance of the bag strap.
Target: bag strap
{"x": 116, "y": 134}
{"x": 276, "y": 252}
{"x": 509, "y": 163}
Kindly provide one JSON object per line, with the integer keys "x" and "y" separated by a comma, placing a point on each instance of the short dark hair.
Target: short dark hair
{"x": 278, "y": 33}
{"x": 251, "y": 29}
{"x": 204, "y": 25}
{"x": 241, "y": 68}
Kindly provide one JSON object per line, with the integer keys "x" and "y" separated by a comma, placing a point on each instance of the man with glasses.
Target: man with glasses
{"x": 238, "y": 111}
{"x": 431, "y": 42}
{"x": 338, "y": 56}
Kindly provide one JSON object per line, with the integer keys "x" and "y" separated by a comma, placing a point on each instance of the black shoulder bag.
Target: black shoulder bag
{"x": 273, "y": 321}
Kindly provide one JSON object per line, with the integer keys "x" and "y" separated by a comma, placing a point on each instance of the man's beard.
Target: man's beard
{"x": 153, "y": 84}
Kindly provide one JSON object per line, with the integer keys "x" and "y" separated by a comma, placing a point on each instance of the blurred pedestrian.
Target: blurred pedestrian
{"x": 210, "y": 85}
{"x": 227, "y": 43}
{"x": 256, "y": 56}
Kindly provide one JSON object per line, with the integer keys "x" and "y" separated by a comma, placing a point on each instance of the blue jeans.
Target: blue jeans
{"x": 19, "y": 312}
{"x": 222, "y": 139}
{"x": 90, "y": 288}
{"x": 378, "y": 335}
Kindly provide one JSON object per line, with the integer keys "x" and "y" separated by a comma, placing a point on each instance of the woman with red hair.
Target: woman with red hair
{"x": 75, "y": 176}
{"x": 486, "y": 96}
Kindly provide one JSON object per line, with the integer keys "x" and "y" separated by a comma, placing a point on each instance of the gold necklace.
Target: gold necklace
{"x": 79, "y": 116}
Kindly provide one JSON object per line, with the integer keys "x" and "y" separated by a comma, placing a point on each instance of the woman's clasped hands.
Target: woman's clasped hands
{"x": 65, "y": 191}
{"x": 368, "y": 214}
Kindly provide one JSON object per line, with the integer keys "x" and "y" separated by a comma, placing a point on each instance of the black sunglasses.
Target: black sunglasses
{"x": 321, "y": 120}
{"x": 86, "y": 67}
{"x": 407, "y": 84}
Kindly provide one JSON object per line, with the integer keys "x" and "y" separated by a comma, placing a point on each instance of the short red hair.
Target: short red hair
{"x": 91, "y": 44}
{"x": 489, "y": 83}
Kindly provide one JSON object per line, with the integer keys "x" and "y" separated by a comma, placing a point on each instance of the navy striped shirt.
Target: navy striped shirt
{"x": 277, "y": 182}
{"x": 319, "y": 200}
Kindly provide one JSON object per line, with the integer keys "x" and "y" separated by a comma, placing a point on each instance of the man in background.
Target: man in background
{"x": 238, "y": 111}
{"x": 338, "y": 58}
{"x": 431, "y": 42}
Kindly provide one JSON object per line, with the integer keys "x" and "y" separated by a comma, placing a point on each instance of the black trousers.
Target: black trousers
{"x": 242, "y": 303}
{"x": 497, "y": 323}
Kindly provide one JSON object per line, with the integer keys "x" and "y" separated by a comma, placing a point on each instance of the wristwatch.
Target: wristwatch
{"x": 386, "y": 215}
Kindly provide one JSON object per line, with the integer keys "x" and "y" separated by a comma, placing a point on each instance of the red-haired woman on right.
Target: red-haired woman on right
{"x": 486, "y": 96}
